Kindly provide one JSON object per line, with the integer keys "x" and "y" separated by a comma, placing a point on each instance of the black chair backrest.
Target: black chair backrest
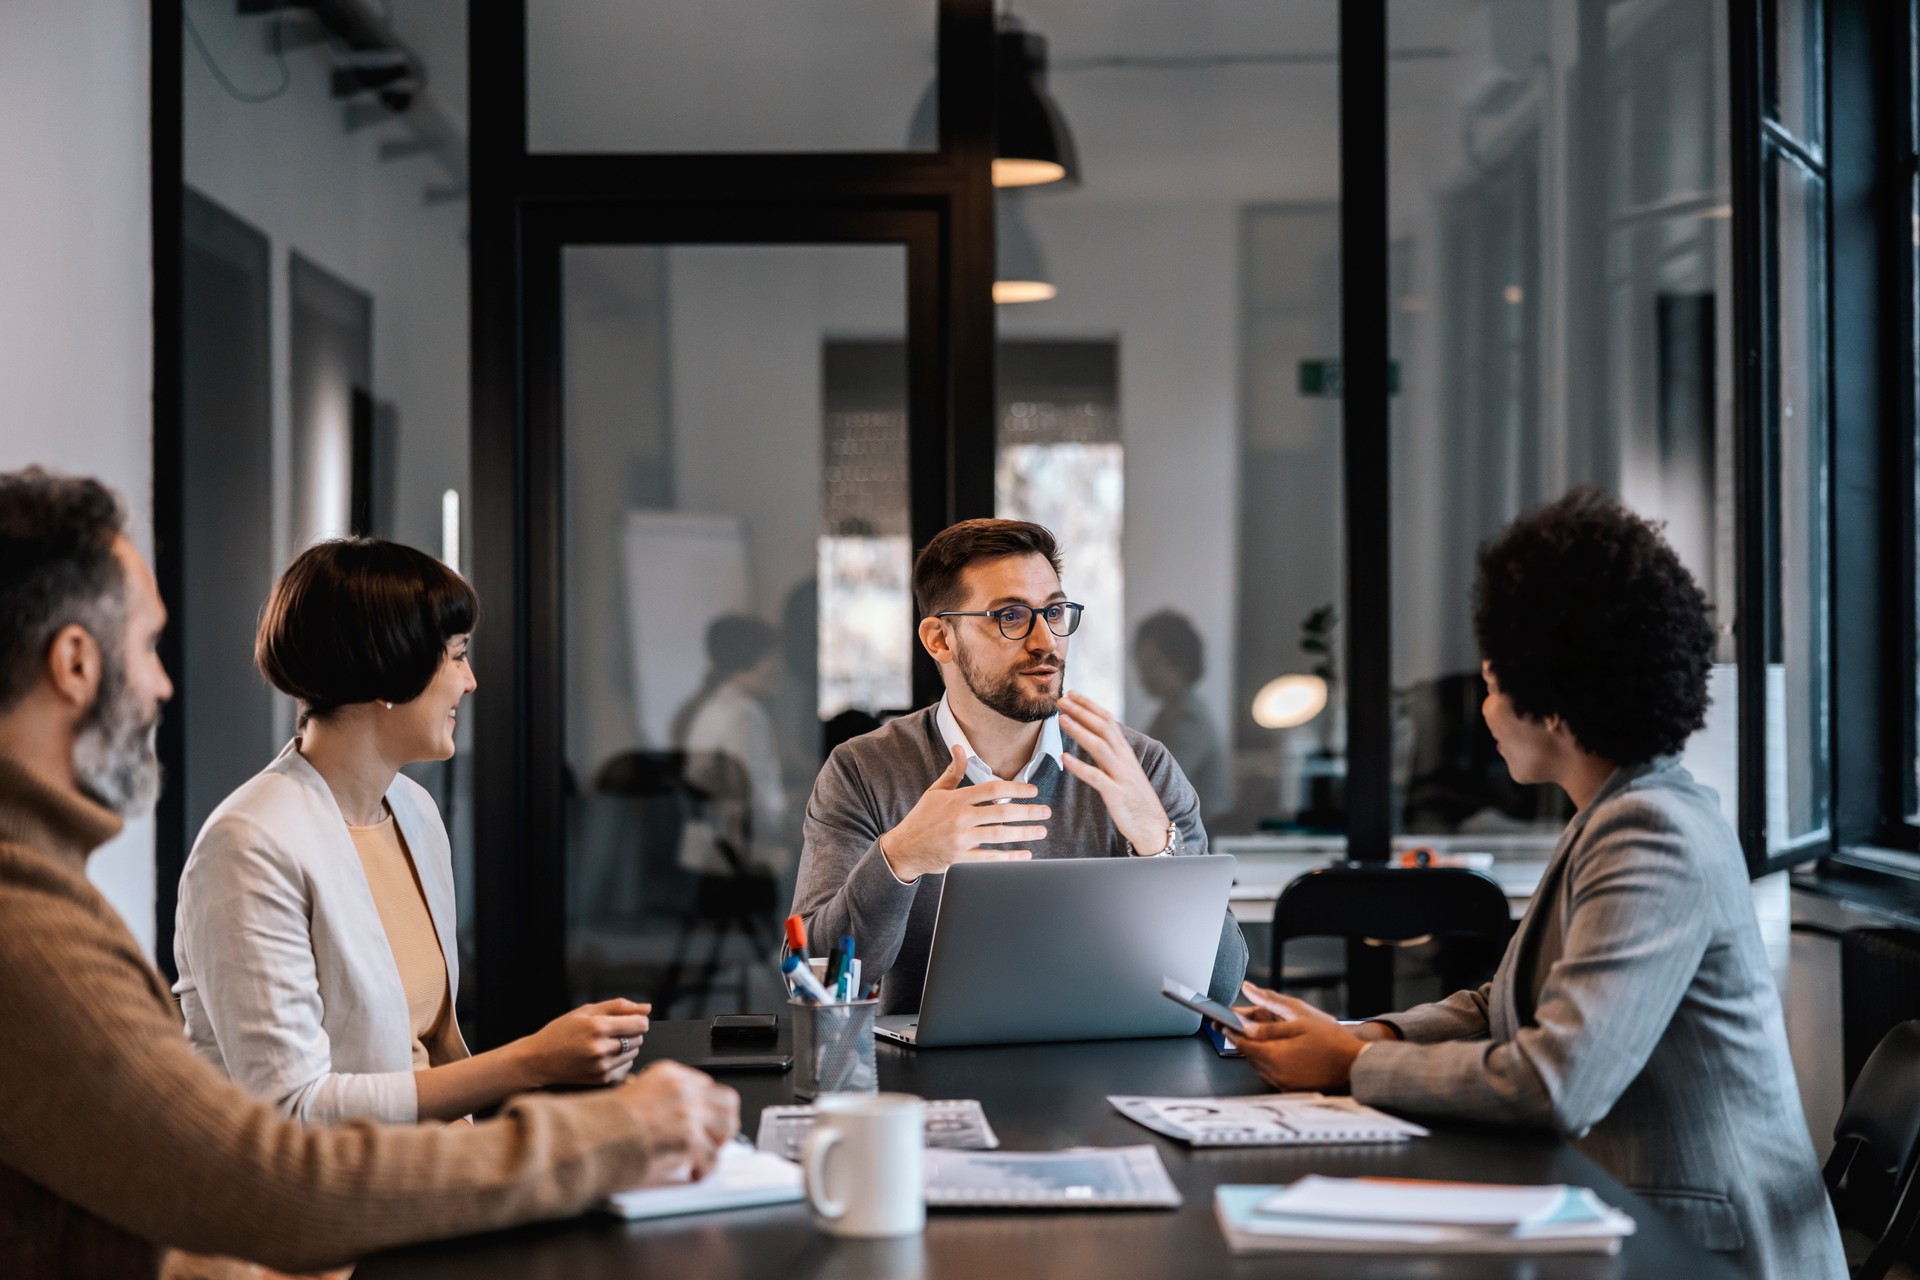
{"x": 1879, "y": 989}
{"x": 1366, "y": 901}
{"x": 643, "y": 775}
{"x": 1393, "y": 904}
{"x": 1883, "y": 1107}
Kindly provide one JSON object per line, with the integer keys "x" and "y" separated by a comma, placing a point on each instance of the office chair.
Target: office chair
{"x": 735, "y": 898}
{"x": 652, "y": 783}
{"x": 1879, "y": 990}
{"x": 1874, "y": 1144}
{"x": 1377, "y": 908}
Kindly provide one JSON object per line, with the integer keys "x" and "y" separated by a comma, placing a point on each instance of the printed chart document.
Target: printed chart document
{"x": 951, "y": 1122}
{"x": 1267, "y": 1120}
{"x": 1393, "y": 1215}
{"x": 1077, "y": 1178}
{"x": 743, "y": 1177}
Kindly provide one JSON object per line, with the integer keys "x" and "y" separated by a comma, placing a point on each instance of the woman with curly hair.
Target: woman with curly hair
{"x": 1634, "y": 1011}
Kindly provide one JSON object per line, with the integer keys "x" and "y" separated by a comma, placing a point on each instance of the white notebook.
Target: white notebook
{"x": 742, "y": 1178}
{"x": 1266, "y": 1120}
{"x": 1375, "y": 1215}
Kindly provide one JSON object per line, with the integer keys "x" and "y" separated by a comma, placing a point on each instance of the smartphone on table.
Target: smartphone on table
{"x": 1201, "y": 1003}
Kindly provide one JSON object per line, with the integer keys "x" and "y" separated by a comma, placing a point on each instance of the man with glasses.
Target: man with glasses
{"x": 986, "y": 774}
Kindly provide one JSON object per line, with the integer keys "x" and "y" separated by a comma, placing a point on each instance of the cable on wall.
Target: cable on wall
{"x": 233, "y": 90}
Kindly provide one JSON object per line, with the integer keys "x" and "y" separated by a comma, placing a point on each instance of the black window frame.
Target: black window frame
{"x": 1758, "y": 138}
{"x": 1869, "y": 154}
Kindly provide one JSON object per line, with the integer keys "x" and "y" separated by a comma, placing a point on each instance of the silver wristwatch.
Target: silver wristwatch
{"x": 1173, "y": 844}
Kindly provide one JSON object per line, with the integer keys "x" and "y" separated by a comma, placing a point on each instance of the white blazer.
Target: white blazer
{"x": 287, "y": 980}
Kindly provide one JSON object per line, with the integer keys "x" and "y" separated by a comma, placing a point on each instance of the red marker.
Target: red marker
{"x": 797, "y": 936}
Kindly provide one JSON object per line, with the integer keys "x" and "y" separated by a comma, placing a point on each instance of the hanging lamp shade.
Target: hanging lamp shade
{"x": 1019, "y": 272}
{"x": 1031, "y": 143}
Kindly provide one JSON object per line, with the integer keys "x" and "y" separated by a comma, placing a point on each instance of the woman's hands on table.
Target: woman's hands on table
{"x": 1295, "y": 1046}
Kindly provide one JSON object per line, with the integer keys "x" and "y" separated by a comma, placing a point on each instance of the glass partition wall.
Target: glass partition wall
{"x": 737, "y": 351}
{"x": 1561, "y": 281}
{"x": 736, "y": 563}
{"x": 311, "y": 374}
{"x": 1162, "y": 403}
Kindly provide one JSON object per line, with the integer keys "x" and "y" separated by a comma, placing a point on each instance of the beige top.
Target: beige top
{"x": 416, "y": 947}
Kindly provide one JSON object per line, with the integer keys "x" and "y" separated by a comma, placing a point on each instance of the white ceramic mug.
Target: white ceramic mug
{"x": 865, "y": 1164}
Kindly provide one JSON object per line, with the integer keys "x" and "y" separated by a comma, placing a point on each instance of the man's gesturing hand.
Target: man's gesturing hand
{"x": 951, "y": 822}
{"x": 686, "y": 1118}
{"x": 1115, "y": 773}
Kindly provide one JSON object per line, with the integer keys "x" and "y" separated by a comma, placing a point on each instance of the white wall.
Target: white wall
{"x": 748, "y": 324}
{"x": 1163, "y": 282}
{"x": 76, "y": 291}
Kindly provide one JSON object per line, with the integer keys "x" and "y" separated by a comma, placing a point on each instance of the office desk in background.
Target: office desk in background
{"x": 1042, "y": 1097}
{"x": 1269, "y": 863}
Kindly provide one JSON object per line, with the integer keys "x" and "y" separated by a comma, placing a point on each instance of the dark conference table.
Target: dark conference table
{"x": 1049, "y": 1096}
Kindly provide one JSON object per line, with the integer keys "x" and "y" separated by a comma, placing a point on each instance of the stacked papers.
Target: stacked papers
{"x": 1266, "y": 1120}
{"x": 951, "y": 1122}
{"x": 1077, "y": 1178}
{"x": 742, "y": 1177}
{"x": 1379, "y": 1215}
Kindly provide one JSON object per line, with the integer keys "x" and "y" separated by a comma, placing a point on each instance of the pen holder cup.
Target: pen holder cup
{"x": 833, "y": 1048}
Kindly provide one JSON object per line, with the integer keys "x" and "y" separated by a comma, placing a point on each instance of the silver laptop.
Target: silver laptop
{"x": 1067, "y": 949}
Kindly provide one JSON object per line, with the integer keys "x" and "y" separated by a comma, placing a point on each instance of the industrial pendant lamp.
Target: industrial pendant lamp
{"x": 1031, "y": 144}
{"x": 1019, "y": 274}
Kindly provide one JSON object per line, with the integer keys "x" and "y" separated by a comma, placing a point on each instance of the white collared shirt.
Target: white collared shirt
{"x": 978, "y": 770}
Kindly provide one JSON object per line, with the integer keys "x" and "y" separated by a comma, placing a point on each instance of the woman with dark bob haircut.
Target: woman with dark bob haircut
{"x": 1634, "y": 1011}
{"x": 315, "y": 934}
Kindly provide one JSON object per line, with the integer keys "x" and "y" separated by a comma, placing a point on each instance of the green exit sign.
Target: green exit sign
{"x": 1321, "y": 379}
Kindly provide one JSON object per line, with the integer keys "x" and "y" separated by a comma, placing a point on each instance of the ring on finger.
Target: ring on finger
{"x": 624, "y": 1047}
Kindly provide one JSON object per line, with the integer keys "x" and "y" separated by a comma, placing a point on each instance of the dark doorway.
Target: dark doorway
{"x": 331, "y": 378}
{"x": 225, "y": 708}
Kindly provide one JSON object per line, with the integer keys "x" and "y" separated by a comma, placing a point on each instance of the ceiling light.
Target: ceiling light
{"x": 1019, "y": 273}
{"x": 1031, "y": 144}
{"x": 1289, "y": 701}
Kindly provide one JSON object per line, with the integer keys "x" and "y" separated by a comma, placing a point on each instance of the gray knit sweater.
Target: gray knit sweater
{"x": 868, "y": 785}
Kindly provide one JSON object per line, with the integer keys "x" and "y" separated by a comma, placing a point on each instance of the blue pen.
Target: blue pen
{"x": 804, "y": 983}
{"x": 843, "y": 958}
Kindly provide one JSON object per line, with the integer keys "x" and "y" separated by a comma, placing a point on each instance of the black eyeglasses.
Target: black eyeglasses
{"x": 1016, "y": 620}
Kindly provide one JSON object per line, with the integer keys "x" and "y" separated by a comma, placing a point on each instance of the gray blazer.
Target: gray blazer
{"x": 287, "y": 980}
{"x": 1634, "y": 1012}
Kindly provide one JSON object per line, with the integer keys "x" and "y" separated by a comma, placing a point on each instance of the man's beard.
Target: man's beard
{"x": 1001, "y": 692}
{"x": 114, "y": 759}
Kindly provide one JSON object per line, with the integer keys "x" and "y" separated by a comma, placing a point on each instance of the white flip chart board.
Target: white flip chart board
{"x": 682, "y": 571}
